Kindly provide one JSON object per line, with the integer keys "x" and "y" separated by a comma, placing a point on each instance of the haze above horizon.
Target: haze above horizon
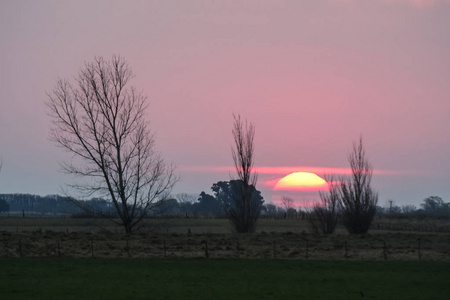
{"x": 312, "y": 76}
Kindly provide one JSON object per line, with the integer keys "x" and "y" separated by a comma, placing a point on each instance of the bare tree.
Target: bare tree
{"x": 288, "y": 204}
{"x": 325, "y": 215}
{"x": 432, "y": 204}
{"x": 245, "y": 207}
{"x": 408, "y": 209}
{"x": 186, "y": 200}
{"x": 357, "y": 201}
{"x": 101, "y": 121}
{"x": 271, "y": 209}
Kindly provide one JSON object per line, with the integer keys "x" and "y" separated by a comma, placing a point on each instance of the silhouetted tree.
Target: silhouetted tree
{"x": 408, "y": 209}
{"x": 392, "y": 208}
{"x": 271, "y": 209}
{"x": 186, "y": 201}
{"x": 226, "y": 191}
{"x": 101, "y": 120}
{"x": 435, "y": 205}
{"x": 243, "y": 211}
{"x": 287, "y": 203}
{"x": 208, "y": 204}
{"x": 167, "y": 206}
{"x": 357, "y": 199}
{"x": 4, "y": 206}
{"x": 432, "y": 204}
{"x": 325, "y": 214}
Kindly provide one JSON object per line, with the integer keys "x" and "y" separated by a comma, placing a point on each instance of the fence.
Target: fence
{"x": 230, "y": 246}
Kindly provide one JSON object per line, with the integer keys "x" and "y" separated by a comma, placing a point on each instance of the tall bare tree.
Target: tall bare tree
{"x": 357, "y": 201}
{"x": 100, "y": 119}
{"x": 244, "y": 209}
{"x": 325, "y": 215}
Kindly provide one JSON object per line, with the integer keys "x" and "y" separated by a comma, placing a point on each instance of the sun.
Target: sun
{"x": 301, "y": 181}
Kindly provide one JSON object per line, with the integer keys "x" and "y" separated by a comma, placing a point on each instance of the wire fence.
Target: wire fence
{"x": 287, "y": 245}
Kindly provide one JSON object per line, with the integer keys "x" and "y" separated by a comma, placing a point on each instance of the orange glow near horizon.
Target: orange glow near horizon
{"x": 301, "y": 181}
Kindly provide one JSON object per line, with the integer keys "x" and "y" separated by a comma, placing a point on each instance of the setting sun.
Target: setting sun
{"x": 301, "y": 181}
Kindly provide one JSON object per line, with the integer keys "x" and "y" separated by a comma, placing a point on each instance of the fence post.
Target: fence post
{"x": 237, "y": 248}
{"x": 307, "y": 249}
{"x": 128, "y": 248}
{"x": 164, "y": 247}
{"x": 20, "y": 248}
{"x": 206, "y": 249}
{"x": 274, "y": 250}
{"x": 346, "y": 250}
{"x": 418, "y": 246}
{"x": 59, "y": 247}
{"x": 92, "y": 247}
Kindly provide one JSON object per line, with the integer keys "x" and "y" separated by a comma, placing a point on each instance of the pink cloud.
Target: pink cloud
{"x": 419, "y": 3}
{"x": 415, "y": 3}
{"x": 281, "y": 170}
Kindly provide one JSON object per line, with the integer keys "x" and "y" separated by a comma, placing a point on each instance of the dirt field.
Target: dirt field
{"x": 192, "y": 238}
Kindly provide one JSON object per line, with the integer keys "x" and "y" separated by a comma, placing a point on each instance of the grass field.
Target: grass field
{"x": 45, "y": 278}
{"x": 51, "y": 258}
{"x": 190, "y": 238}
{"x": 208, "y": 225}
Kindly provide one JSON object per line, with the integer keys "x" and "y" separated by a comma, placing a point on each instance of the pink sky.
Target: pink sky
{"x": 311, "y": 75}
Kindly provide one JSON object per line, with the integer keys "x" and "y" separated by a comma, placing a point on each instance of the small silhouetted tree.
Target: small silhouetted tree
{"x": 357, "y": 199}
{"x": 288, "y": 203}
{"x": 271, "y": 209}
{"x": 324, "y": 215}
{"x": 101, "y": 120}
{"x": 408, "y": 209}
{"x": 4, "y": 206}
{"x": 243, "y": 211}
{"x": 186, "y": 201}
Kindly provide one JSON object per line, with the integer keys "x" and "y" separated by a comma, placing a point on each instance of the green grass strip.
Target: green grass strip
{"x": 221, "y": 279}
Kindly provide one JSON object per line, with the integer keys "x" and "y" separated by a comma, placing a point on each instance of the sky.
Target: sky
{"x": 312, "y": 76}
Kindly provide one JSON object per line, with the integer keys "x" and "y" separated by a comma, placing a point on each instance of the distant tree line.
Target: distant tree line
{"x": 191, "y": 205}
{"x": 183, "y": 204}
{"x": 433, "y": 206}
{"x": 49, "y": 205}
